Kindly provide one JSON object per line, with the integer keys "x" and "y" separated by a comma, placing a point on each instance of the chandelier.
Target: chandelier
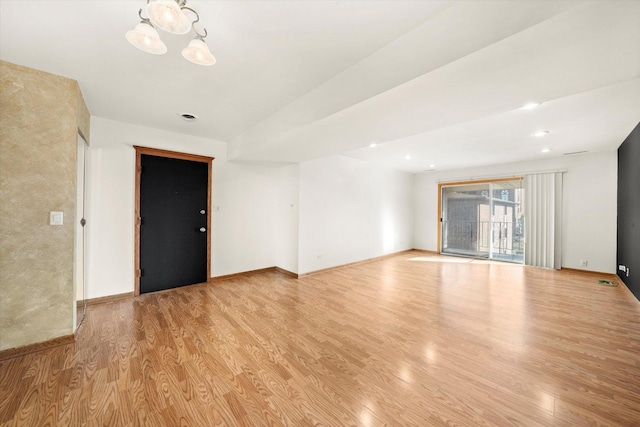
{"x": 170, "y": 16}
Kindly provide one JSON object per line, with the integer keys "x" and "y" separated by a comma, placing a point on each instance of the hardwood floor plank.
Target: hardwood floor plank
{"x": 411, "y": 339}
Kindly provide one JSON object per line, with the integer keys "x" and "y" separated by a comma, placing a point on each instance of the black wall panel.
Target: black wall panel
{"x": 629, "y": 210}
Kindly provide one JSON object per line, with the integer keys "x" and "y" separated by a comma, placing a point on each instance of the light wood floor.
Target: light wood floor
{"x": 411, "y": 340}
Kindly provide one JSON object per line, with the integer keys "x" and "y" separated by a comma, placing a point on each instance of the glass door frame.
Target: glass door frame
{"x": 80, "y": 231}
{"x": 440, "y": 216}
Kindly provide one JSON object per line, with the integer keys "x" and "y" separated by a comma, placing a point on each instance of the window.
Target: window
{"x": 483, "y": 219}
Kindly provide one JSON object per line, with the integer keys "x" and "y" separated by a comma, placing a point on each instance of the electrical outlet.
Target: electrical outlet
{"x": 583, "y": 263}
{"x": 628, "y": 271}
{"x": 622, "y": 268}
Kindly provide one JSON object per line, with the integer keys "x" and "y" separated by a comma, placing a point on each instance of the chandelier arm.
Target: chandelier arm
{"x": 193, "y": 24}
{"x": 201, "y": 36}
{"x": 143, "y": 19}
{"x": 193, "y": 11}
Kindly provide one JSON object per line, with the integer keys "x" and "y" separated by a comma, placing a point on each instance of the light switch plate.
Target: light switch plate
{"x": 56, "y": 218}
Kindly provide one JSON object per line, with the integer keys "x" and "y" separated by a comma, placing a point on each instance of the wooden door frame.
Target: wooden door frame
{"x": 172, "y": 155}
{"x": 454, "y": 183}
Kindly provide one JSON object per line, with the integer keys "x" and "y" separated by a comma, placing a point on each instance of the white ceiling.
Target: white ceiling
{"x": 439, "y": 81}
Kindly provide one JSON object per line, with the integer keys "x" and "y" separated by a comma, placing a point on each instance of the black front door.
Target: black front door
{"x": 173, "y": 228}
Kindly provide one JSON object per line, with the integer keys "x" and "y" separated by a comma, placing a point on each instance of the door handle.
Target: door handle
{"x": 202, "y": 229}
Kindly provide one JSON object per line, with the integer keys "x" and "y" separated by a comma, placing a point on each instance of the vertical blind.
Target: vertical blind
{"x": 543, "y": 220}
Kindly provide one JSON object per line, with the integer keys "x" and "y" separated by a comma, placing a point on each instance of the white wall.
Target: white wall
{"x": 352, "y": 210}
{"x": 243, "y": 231}
{"x": 287, "y": 222}
{"x": 589, "y": 205}
{"x": 242, "y": 235}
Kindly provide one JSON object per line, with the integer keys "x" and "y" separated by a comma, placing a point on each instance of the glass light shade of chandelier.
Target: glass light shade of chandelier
{"x": 198, "y": 52}
{"x": 168, "y": 16}
{"x": 146, "y": 38}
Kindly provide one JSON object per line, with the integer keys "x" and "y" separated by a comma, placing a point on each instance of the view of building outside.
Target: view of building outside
{"x": 475, "y": 224}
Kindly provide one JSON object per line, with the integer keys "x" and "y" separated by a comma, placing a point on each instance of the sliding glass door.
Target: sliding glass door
{"x": 483, "y": 220}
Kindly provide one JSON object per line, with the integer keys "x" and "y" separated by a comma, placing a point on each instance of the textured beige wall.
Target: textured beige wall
{"x": 40, "y": 115}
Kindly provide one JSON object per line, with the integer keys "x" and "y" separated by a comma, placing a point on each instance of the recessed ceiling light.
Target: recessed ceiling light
{"x": 373, "y": 145}
{"x": 432, "y": 166}
{"x": 530, "y": 106}
{"x": 188, "y": 117}
{"x": 407, "y": 157}
{"x": 541, "y": 133}
{"x": 546, "y": 150}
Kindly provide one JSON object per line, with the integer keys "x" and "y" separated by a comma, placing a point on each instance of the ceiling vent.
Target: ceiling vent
{"x": 189, "y": 117}
{"x": 575, "y": 152}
